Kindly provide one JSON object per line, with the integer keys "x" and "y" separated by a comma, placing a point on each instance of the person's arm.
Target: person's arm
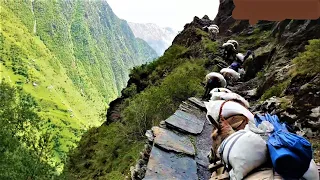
{"x": 224, "y": 83}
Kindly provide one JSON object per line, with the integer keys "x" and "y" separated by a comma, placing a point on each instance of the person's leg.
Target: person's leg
{"x": 208, "y": 89}
{"x": 234, "y": 56}
{"x": 228, "y": 54}
{"x": 205, "y": 93}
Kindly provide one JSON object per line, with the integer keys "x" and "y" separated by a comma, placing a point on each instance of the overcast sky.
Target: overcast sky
{"x": 165, "y": 13}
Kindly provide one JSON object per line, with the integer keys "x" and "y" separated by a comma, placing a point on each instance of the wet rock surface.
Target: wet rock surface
{"x": 172, "y": 141}
{"x": 168, "y": 165}
{"x": 198, "y": 103}
{"x": 203, "y": 145}
{"x": 185, "y": 122}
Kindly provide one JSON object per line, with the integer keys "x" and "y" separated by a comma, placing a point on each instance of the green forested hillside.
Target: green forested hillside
{"x": 72, "y": 58}
{"x": 154, "y": 92}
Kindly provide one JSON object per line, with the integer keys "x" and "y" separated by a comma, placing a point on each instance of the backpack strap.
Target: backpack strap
{"x": 220, "y": 111}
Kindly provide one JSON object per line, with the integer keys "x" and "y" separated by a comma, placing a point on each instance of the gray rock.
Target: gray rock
{"x": 252, "y": 92}
{"x": 315, "y": 112}
{"x": 203, "y": 145}
{"x": 149, "y": 135}
{"x": 162, "y": 124}
{"x": 171, "y": 141}
{"x": 185, "y": 122}
{"x": 198, "y": 103}
{"x": 167, "y": 165}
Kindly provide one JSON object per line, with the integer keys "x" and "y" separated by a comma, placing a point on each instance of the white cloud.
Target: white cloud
{"x": 165, "y": 13}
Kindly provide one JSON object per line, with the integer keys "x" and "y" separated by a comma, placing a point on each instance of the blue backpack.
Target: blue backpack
{"x": 290, "y": 153}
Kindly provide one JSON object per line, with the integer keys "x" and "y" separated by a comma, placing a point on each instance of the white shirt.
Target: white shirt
{"x": 240, "y": 56}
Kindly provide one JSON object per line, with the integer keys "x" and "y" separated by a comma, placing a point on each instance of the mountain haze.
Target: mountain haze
{"x": 72, "y": 58}
{"x": 157, "y": 37}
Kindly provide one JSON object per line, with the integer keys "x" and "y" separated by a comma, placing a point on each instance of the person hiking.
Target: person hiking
{"x": 213, "y": 31}
{"x": 235, "y": 66}
{"x": 235, "y": 43}
{"x": 213, "y": 80}
{"x": 241, "y": 58}
{"x": 229, "y": 50}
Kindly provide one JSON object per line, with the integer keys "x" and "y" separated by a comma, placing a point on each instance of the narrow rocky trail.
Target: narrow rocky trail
{"x": 180, "y": 145}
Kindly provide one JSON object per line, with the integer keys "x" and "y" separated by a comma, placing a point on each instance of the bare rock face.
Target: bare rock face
{"x": 224, "y": 16}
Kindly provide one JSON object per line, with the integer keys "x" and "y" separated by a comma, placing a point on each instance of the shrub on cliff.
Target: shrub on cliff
{"x": 158, "y": 102}
{"x": 308, "y": 62}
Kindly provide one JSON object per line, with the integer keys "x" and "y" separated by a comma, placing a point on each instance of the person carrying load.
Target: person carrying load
{"x": 235, "y": 43}
{"x": 229, "y": 50}
{"x": 214, "y": 80}
{"x": 213, "y": 31}
{"x": 235, "y": 66}
{"x": 241, "y": 58}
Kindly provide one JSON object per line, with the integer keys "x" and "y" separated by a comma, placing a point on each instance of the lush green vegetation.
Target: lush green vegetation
{"x": 308, "y": 61}
{"x": 72, "y": 57}
{"x": 107, "y": 151}
{"x": 25, "y": 150}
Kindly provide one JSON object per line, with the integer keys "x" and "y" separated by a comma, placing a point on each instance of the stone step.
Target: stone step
{"x": 198, "y": 103}
{"x": 185, "y": 122}
{"x": 164, "y": 165}
{"x": 172, "y": 141}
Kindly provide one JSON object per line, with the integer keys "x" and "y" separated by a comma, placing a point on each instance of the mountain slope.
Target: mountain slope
{"x": 158, "y": 38}
{"x": 73, "y": 57}
{"x": 155, "y": 90}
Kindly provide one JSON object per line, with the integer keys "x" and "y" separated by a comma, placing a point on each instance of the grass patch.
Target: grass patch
{"x": 210, "y": 46}
{"x": 285, "y": 102}
{"x": 275, "y": 90}
{"x": 202, "y": 33}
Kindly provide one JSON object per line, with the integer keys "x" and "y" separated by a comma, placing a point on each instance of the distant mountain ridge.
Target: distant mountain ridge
{"x": 157, "y": 37}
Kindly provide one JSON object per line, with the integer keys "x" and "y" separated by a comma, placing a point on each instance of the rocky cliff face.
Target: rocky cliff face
{"x": 158, "y": 38}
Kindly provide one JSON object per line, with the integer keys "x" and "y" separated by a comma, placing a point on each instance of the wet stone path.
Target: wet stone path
{"x": 181, "y": 145}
